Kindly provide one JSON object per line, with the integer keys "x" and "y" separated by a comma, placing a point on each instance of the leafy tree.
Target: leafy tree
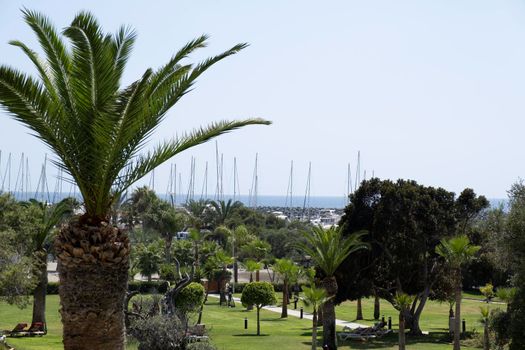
{"x": 287, "y": 270}
{"x": 457, "y": 251}
{"x": 259, "y": 294}
{"x": 328, "y": 249}
{"x": 96, "y": 128}
{"x": 488, "y": 291}
{"x": 405, "y": 222}
{"x": 403, "y": 303}
{"x": 256, "y": 249}
{"x": 314, "y": 297}
{"x": 189, "y": 300}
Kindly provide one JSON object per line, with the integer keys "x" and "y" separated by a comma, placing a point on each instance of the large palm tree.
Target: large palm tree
{"x": 457, "y": 251}
{"x": 328, "y": 249}
{"x": 314, "y": 297}
{"x": 96, "y": 128}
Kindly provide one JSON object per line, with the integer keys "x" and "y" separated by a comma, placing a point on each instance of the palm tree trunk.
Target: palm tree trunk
{"x": 39, "y": 294}
{"x": 257, "y": 276}
{"x": 457, "y": 320}
{"x": 251, "y": 276}
{"x": 258, "y": 323}
{"x": 329, "y": 336}
{"x": 401, "y": 331}
{"x": 486, "y": 343}
{"x": 377, "y": 307}
{"x": 314, "y": 329}
{"x": 93, "y": 264}
{"x": 284, "y": 310}
{"x": 359, "y": 315}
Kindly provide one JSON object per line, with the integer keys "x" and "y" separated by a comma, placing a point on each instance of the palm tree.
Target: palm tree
{"x": 287, "y": 269}
{"x": 485, "y": 316}
{"x": 457, "y": 251}
{"x": 223, "y": 210}
{"x": 252, "y": 266}
{"x": 48, "y": 219}
{"x": 328, "y": 249}
{"x": 403, "y": 302}
{"x": 314, "y": 297}
{"x": 96, "y": 128}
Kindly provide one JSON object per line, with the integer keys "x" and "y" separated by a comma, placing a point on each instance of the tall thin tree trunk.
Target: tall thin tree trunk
{"x": 167, "y": 248}
{"x": 401, "y": 331}
{"x": 314, "y": 329}
{"x": 377, "y": 307}
{"x": 93, "y": 263}
{"x": 251, "y": 276}
{"x": 329, "y": 336}
{"x": 486, "y": 342}
{"x": 39, "y": 294}
{"x": 257, "y": 276}
{"x": 284, "y": 310}
{"x": 235, "y": 272}
{"x": 457, "y": 320}
{"x": 359, "y": 315}
{"x": 258, "y": 322}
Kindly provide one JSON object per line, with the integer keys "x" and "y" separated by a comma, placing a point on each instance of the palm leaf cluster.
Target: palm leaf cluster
{"x": 457, "y": 250}
{"x": 95, "y": 127}
{"x": 328, "y": 248}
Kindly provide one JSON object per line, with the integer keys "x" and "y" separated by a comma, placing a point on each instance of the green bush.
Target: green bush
{"x": 190, "y": 297}
{"x": 159, "y": 333}
{"x": 52, "y": 288}
{"x": 168, "y": 272}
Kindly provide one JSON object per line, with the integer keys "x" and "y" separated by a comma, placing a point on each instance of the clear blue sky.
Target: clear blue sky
{"x": 427, "y": 90}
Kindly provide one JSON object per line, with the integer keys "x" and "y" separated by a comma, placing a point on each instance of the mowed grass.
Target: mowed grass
{"x": 226, "y": 327}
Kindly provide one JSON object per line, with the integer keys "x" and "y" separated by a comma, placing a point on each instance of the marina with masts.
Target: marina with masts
{"x": 297, "y": 203}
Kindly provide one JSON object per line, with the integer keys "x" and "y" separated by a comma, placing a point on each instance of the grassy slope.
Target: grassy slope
{"x": 227, "y": 327}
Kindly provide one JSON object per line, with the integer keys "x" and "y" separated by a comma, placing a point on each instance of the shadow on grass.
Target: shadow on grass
{"x": 250, "y": 335}
{"x": 391, "y": 340}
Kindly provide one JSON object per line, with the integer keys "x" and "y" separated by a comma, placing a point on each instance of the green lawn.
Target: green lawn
{"x": 226, "y": 327}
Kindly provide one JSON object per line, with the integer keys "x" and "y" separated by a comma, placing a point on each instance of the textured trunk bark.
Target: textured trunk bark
{"x": 377, "y": 307}
{"x": 251, "y": 277}
{"x": 257, "y": 276}
{"x": 235, "y": 272}
{"x": 39, "y": 294}
{"x": 359, "y": 315}
{"x": 457, "y": 320}
{"x": 284, "y": 310}
{"x": 93, "y": 264}
{"x": 329, "y": 336}
{"x": 402, "y": 340}
{"x": 314, "y": 330}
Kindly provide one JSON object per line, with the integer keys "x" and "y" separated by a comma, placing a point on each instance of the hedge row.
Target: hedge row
{"x": 144, "y": 287}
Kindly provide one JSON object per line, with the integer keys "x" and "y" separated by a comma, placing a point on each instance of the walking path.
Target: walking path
{"x": 296, "y": 313}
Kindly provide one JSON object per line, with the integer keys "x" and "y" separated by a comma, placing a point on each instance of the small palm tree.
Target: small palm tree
{"x": 287, "y": 269}
{"x": 252, "y": 266}
{"x": 402, "y": 302}
{"x": 328, "y": 249}
{"x": 223, "y": 210}
{"x": 48, "y": 219}
{"x": 97, "y": 128}
{"x": 314, "y": 297}
{"x": 485, "y": 315}
{"x": 457, "y": 251}
{"x": 506, "y": 295}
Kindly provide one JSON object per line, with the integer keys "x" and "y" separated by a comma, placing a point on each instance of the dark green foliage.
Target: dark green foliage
{"x": 190, "y": 298}
{"x": 201, "y": 346}
{"x": 145, "y": 287}
{"x": 159, "y": 333}
{"x": 499, "y": 325}
{"x": 168, "y": 272}
{"x": 259, "y": 294}
{"x": 405, "y": 221}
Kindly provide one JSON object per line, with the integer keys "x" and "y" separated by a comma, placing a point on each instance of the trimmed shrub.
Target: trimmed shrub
{"x": 190, "y": 297}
